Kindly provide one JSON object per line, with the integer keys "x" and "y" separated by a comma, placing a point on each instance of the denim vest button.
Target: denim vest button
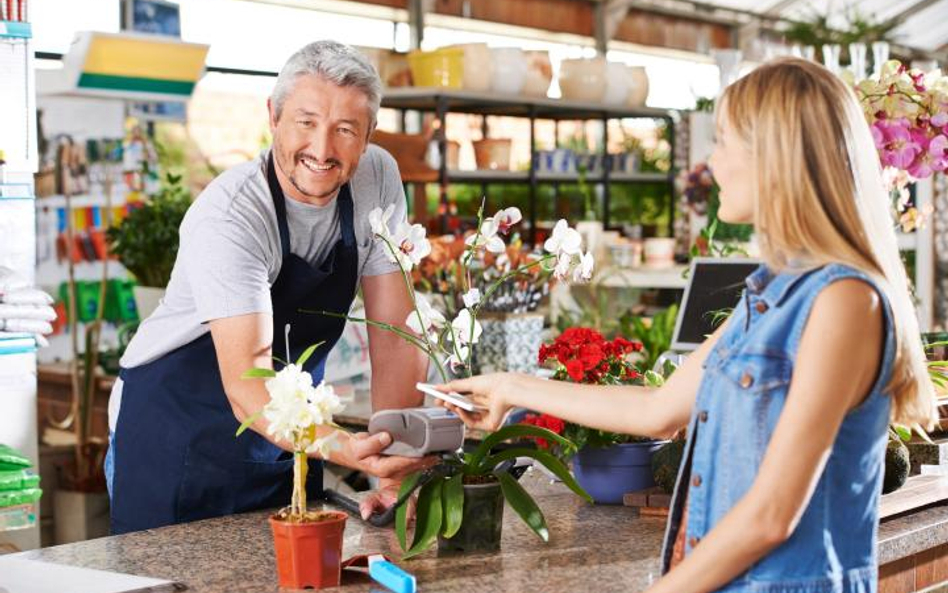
{"x": 747, "y": 380}
{"x": 761, "y": 307}
{"x": 693, "y": 541}
{"x": 696, "y": 481}
{"x": 703, "y": 416}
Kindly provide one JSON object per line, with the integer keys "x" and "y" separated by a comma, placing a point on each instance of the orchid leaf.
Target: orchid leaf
{"x": 453, "y": 497}
{"x": 401, "y": 514}
{"x": 307, "y": 353}
{"x": 249, "y": 421}
{"x": 512, "y": 431}
{"x": 429, "y": 516}
{"x": 548, "y": 460}
{"x": 521, "y": 502}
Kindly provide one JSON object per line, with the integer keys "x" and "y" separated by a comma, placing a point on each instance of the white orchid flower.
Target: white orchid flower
{"x": 378, "y": 220}
{"x": 487, "y": 238}
{"x": 410, "y": 245}
{"x": 324, "y": 446}
{"x": 465, "y": 329}
{"x": 458, "y": 359}
{"x": 471, "y": 298}
{"x": 564, "y": 240}
{"x": 563, "y": 264}
{"x": 506, "y": 218}
{"x": 431, "y": 318}
{"x": 296, "y": 406}
{"x": 584, "y": 271}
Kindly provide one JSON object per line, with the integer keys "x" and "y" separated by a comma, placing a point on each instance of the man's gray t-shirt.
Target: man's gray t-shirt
{"x": 230, "y": 255}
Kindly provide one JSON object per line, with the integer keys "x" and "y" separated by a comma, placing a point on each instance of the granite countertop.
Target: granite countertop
{"x": 601, "y": 548}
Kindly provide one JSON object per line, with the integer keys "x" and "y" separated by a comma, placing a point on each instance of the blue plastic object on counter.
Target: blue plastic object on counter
{"x": 391, "y": 576}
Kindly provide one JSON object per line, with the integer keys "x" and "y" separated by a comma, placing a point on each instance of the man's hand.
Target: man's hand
{"x": 365, "y": 451}
{"x": 378, "y": 501}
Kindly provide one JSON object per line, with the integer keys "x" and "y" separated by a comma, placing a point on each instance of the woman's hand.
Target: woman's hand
{"x": 491, "y": 391}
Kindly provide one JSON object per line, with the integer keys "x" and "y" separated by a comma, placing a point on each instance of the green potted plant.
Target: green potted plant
{"x": 462, "y": 505}
{"x": 146, "y": 242}
{"x": 308, "y": 543}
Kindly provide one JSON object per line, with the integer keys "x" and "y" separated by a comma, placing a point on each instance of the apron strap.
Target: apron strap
{"x": 276, "y": 192}
{"x": 346, "y": 217}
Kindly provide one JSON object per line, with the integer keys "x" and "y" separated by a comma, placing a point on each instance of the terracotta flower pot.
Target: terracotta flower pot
{"x": 492, "y": 153}
{"x": 309, "y": 555}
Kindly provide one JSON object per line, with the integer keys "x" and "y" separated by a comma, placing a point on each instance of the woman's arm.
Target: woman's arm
{"x": 836, "y": 365}
{"x": 627, "y": 409}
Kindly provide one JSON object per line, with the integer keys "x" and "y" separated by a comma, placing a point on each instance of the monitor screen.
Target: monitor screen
{"x": 714, "y": 285}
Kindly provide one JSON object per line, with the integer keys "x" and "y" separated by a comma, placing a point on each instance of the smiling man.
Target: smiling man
{"x": 285, "y": 232}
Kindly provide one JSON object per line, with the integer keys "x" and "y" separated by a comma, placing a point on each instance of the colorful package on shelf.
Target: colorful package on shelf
{"x": 18, "y": 480}
{"x": 11, "y": 459}
{"x": 18, "y": 497}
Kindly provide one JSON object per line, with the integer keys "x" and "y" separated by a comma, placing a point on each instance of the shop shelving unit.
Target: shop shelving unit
{"x": 18, "y": 525}
{"x": 443, "y": 101}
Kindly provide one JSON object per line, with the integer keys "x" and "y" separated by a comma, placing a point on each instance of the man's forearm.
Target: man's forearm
{"x": 396, "y": 367}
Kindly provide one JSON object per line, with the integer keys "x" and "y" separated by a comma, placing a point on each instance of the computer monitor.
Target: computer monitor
{"x": 714, "y": 284}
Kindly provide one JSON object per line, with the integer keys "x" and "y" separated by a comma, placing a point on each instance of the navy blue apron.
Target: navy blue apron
{"x": 176, "y": 456}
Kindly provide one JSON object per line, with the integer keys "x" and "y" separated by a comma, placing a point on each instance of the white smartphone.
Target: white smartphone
{"x": 452, "y": 397}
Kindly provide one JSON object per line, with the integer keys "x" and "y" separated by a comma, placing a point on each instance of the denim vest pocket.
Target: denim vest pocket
{"x": 755, "y": 372}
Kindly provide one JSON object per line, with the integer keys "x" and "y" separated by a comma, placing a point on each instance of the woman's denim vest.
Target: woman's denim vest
{"x": 746, "y": 379}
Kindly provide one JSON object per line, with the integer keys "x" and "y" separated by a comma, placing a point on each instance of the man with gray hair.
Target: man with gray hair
{"x": 266, "y": 240}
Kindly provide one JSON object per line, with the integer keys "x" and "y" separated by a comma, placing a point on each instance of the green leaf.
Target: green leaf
{"x": 512, "y": 431}
{"x": 904, "y": 432}
{"x": 246, "y": 423}
{"x": 547, "y": 459}
{"x": 258, "y": 373}
{"x": 523, "y": 503}
{"x": 401, "y": 513}
{"x": 429, "y": 514}
{"x": 453, "y": 497}
{"x": 307, "y": 353}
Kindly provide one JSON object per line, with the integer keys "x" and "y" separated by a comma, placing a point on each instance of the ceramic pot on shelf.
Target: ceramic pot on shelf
{"x": 492, "y": 153}
{"x": 583, "y": 80}
{"x": 508, "y": 70}
{"x": 478, "y": 65}
{"x": 638, "y": 87}
{"x": 618, "y": 84}
{"x": 539, "y": 74}
{"x": 442, "y": 68}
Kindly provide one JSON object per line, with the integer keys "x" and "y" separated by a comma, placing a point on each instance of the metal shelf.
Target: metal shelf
{"x": 444, "y": 101}
{"x": 460, "y": 101}
{"x": 501, "y": 176}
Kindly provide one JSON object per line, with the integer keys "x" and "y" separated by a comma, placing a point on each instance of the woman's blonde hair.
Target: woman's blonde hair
{"x": 821, "y": 198}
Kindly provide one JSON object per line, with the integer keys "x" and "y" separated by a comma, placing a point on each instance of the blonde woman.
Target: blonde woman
{"x": 787, "y": 404}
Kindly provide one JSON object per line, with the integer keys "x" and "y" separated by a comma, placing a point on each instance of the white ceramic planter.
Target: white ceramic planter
{"x": 638, "y": 88}
{"x": 583, "y": 80}
{"x": 478, "y": 65}
{"x": 509, "y": 70}
{"x": 147, "y": 299}
{"x": 618, "y": 83}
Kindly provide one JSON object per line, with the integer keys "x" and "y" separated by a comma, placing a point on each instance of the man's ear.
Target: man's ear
{"x": 368, "y": 137}
{"x": 272, "y": 114}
